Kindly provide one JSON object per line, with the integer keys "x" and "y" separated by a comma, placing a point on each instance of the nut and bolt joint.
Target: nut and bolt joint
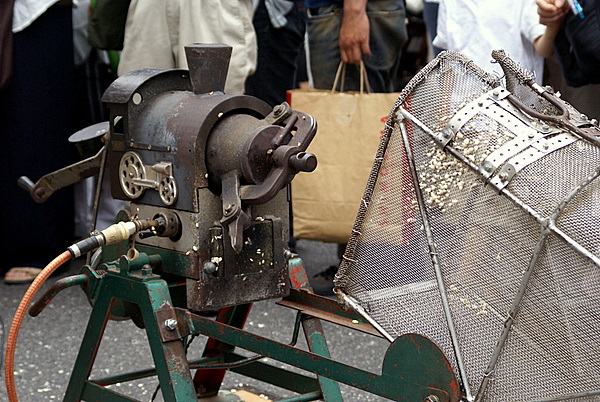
{"x": 278, "y": 110}
{"x": 171, "y": 324}
{"x": 147, "y": 270}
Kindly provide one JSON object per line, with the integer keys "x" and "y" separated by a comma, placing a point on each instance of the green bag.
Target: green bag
{"x": 106, "y": 28}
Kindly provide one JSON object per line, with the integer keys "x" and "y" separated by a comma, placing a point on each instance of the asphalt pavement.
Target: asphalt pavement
{"x": 48, "y": 344}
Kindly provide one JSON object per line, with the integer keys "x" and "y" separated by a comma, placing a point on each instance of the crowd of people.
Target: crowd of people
{"x": 277, "y": 45}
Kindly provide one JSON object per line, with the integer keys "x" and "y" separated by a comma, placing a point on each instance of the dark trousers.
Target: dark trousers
{"x": 278, "y": 52}
{"x": 36, "y": 111}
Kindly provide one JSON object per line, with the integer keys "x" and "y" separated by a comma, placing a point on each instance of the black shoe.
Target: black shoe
{"x": 322, "y": 282}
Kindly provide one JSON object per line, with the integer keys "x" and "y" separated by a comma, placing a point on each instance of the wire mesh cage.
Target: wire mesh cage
{"x": 479, "y": 229}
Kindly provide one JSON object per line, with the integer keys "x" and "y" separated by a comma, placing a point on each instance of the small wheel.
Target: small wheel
{"x": 131, "y": 168}
{"x": 168, "y": 190}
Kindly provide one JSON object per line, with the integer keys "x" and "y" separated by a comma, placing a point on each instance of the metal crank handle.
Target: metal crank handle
{"x": 48, "y": 184}
{"x": 25, "y": 183}
{"x": 59, "y": 285}
{"x": 288, "y": 159}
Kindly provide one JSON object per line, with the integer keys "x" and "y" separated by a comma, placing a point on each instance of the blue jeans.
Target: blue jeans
{"x": 387, "y": 37}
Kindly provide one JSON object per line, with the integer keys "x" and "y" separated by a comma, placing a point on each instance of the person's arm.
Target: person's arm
{"x": 544, "y": 44}
{"x": 354, "y": 32}
{"x": 551, "y": 14}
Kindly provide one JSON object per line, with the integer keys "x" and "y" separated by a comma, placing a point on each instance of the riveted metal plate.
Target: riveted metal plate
{"x": 531, "y": 154}
{"x": 478, "y": 105}
{"x": 525, "y": 137}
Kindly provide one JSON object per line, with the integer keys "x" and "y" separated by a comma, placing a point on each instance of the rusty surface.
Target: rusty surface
{"x": 413, "y": 367}
{"x": 297, "y": 272}
{"x": 326, "y": 309}
{"x": 207, "y": 381}
{"x": 166, "y": 335}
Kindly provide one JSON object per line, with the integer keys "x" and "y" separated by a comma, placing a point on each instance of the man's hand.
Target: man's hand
{"x": 551, "y": 11}
{"x": 354, "y": 32}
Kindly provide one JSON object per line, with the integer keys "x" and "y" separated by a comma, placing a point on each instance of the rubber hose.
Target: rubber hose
{"x": 11, "y": 342}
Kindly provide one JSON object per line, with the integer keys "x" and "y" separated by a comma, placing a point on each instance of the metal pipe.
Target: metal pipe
{"x": 58, "y": 286}
{"x": 435, "y": 261}
{"x": 98, "y": 191}
{"x": 514, "y": 310}
{"x": 311, "y": 396}
{"x": 360, "y": 310}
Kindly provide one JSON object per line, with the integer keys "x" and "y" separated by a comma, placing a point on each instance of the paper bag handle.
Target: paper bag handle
{"x": 341, "y": 73}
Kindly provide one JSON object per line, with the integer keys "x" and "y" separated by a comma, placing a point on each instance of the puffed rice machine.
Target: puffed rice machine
{"x": 475, "y": 251}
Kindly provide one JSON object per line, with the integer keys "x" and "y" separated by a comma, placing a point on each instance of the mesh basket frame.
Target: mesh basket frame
{"x": 432, "y": 280}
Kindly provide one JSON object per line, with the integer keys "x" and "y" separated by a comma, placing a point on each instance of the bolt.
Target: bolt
{"x": 171, "y": 324}
{"x": 229, "y": 209}
{"x": 432, "y": 398}
{"x": 278, "y": 110}
{"x": 146, "y": 270}
{"x": 209, "y": 267}
{"x": 287, "y": 254}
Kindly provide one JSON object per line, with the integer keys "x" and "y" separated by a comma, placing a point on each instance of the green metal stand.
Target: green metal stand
{"x": 414, "y": 369}
{"x": 151, "y": 294}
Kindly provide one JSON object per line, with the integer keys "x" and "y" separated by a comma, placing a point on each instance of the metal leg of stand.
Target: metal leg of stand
{"x": 153, "y": 299}
{"x": 315, "y": 337}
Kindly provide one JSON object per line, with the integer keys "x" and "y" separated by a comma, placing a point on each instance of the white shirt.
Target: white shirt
{"x": 26, "y": 11}
{"x": 476, "y": 27}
